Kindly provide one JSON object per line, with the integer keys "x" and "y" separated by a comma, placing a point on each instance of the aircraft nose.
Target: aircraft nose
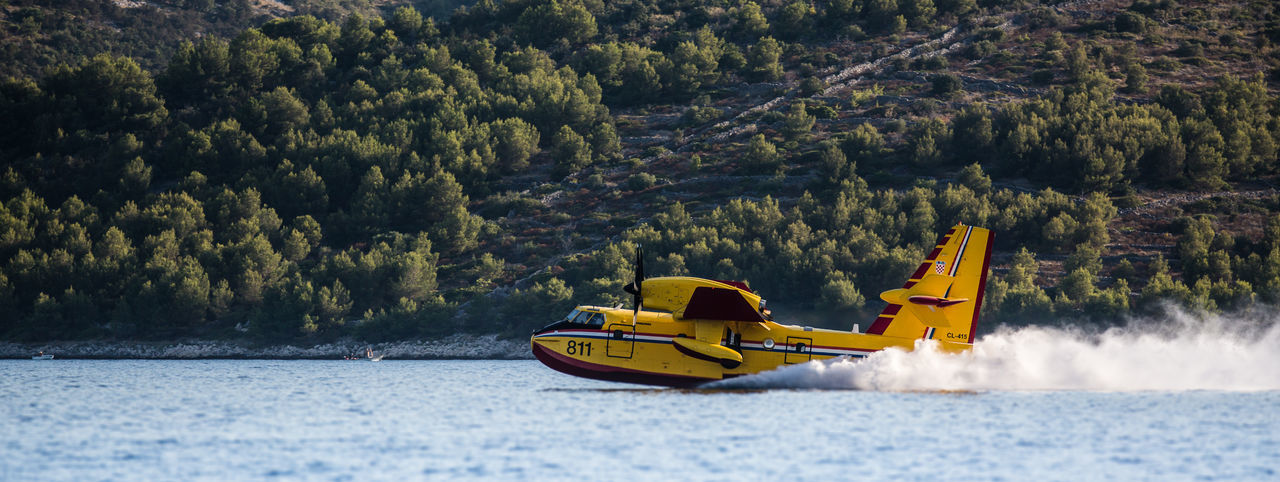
{"x": 551, "y": 326}
{"x": 545, "y": 329}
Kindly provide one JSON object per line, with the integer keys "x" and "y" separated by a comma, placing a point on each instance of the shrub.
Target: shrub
{"x": 860, "y": 97}
{"x": 700, "y": 115}
{"x": 992, "y": 34}
{"x": 854, "y": 32}
{"x": 641, "y": 181}
{"x": 1165, "y": 64}
{"x": 947, "y": 85}
{"x": 1043, "y": 17}
{"x": 761, "y": 157}
{"x": 1042, "y": 76}
{"x": 980, "y": 49}
{"x": 840, "y": 293}
{"x": 1130, "y": 22}
{"x": 822, "y": 112}
{"x": 934, "y": 62}
{"x": 812, "y": 85}
{"x": 1190, "y": 49}
{"x": 925, "y": 106}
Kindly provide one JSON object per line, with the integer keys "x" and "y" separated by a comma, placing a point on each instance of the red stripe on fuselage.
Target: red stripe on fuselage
{"x": 845, "y": 348}
{"x": 575, "y": 331}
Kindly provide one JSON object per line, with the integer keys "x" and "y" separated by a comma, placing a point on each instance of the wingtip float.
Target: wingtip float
{"x": 684, "y": 331}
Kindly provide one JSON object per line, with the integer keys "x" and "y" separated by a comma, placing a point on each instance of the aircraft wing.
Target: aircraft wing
{"x": 709, "y": 303}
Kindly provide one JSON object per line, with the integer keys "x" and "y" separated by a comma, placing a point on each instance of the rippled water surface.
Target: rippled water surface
{"x": 224, "y": 419}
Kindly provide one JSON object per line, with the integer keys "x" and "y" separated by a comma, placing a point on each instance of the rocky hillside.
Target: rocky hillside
{"x": 400, "y": 177}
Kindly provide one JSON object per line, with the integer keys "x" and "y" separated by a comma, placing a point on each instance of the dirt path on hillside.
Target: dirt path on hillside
{"x": 1165, "y": 201}
{"x": 844, "y": 80}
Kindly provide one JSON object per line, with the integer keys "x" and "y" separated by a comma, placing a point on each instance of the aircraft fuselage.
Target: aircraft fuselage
{"x": 611, "y": 347}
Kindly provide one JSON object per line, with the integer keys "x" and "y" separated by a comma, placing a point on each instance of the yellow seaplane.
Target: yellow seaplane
{"x": 685, "y": 331}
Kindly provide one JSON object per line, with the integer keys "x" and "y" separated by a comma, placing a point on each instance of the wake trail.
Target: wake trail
{"x": 1180, "y": 351}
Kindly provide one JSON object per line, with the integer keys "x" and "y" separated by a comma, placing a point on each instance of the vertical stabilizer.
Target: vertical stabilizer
{"x": 942, "y": 299}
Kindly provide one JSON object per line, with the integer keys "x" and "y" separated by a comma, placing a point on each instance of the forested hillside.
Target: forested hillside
{"x": 37, "y": 34}
{"x": 398, "y": 177}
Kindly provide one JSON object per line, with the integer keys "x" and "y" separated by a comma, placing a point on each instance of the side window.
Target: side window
{"x": 583, "y": 317}
{"x": 597, "y": 319}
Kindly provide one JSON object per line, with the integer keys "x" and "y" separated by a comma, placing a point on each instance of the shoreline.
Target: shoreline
{"x": 452, "y": 347}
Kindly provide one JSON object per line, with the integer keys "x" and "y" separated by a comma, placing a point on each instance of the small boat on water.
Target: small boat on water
{"x": 368, "y": 353}
{"x": 41, "y": 356}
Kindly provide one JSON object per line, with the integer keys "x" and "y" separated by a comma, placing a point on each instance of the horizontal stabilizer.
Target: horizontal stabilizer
{"x": 926, "y": 299}
{"x": 929, "y": 315}
{"x": 934, "y": 301}
{"x": 933, "y": 285}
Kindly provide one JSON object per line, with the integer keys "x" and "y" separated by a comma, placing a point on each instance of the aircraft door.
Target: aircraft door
{"x": 622, "y": 340}
{"x": 799, "y": 350}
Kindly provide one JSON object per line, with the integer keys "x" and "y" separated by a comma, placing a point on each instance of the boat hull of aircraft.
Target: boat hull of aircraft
{"x": 687, "y": 331}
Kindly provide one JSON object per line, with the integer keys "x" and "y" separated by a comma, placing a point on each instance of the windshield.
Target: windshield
{"x": 577, "y": 317}
{"x": 572, "y": 314}
{"x": 589, "y": 318}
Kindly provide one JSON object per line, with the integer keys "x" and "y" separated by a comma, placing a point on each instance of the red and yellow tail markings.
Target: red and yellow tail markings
{"x": 928, "y": 261}
{"x": 882, "y": 322}
{"x": 962, "y": 256}
{"x": 890, "y": 312}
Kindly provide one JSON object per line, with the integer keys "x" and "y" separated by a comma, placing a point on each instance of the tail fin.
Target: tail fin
{"x": 942, "y": 298}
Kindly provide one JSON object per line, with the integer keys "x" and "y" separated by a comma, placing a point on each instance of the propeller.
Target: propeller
{"x": 634, "y": 288}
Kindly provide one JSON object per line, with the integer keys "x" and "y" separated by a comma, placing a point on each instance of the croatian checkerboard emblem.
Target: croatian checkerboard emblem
{"x": 939, "y": 267}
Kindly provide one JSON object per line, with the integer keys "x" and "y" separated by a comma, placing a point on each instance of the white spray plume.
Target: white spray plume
{"x": 1182, "y": 351}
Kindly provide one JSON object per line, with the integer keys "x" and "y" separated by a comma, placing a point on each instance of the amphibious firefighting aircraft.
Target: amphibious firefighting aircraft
{"x": 685, "y": 331}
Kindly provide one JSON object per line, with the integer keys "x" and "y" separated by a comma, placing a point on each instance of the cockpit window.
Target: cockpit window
{"x": 572, "y": 315}
{"x": 579, "y": 317}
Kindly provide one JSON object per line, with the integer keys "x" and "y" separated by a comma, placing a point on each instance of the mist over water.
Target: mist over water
{"x": 1179, "y": 351}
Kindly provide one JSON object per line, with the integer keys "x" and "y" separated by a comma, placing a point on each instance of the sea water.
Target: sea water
{"x": 1189, "y": 403}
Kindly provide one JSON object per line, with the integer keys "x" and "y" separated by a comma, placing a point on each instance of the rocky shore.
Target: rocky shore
{"x": 460, "y": 346}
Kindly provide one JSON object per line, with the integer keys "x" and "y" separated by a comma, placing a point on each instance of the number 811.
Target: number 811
{"x": 576, "y": 348}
